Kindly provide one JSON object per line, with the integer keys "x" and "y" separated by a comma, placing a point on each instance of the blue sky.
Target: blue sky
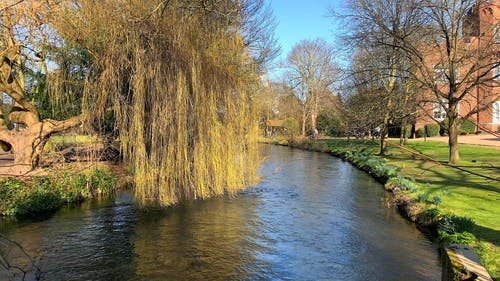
{"x": 302, "y": 19}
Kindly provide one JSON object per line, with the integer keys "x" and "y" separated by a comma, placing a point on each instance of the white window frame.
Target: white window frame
{"x": 439, "y": 111}
{"x": 496, "y": 73}
{"x": 496, "y": 112}
{"x": 7, "y": 99}
{"x": 440, "y": 73}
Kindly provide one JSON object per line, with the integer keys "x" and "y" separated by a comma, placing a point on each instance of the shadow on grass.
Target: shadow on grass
{"x": 487, "y": 234}
{"x": 461, "y": 178}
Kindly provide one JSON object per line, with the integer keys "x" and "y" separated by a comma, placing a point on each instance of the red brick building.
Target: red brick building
{"x": 480, "y": 41}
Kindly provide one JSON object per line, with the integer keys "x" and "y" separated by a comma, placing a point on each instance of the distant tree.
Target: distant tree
{"x": 311, "y": 71}
{"x": 291, "y": 126}
{"x": 331, "y": 123}
{"x": 380, "y": 74}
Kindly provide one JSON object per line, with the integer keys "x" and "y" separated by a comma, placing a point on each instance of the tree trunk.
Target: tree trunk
{"x": 384, "y": 132}
{"x": 383, "y": 142}
{"x": 314, "y": 112}
{"x": 402, "y": 135}
{"x": 27, "y": 144}
{"x": 403, "y": 138}
{"x": 304, "y": 117}
{"x": 23, "y": 147}
{"x": 314, "y": 117}
{"x": 453, "y": 141}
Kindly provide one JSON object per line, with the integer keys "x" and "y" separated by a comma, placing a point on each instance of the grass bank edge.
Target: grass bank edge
{"x": 39, "y": 194}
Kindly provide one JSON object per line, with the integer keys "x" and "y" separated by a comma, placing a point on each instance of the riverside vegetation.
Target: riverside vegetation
{"x": 39, "y": 194}
{"x": 170, "y": 81}
{"x": 449, "y": 204}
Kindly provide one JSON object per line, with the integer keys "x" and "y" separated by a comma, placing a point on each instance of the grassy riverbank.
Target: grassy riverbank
{"x": 436, "y": 190}
{"x": 37, "y": 194}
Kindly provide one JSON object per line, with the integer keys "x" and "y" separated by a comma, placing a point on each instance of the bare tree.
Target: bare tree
{"x": 378, "y": 69}
{"x": 452, "y": 57}
{"x": 311, "y": 71}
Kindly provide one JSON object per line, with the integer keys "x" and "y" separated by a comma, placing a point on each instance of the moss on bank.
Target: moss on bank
{"x": 430, "y": 199}
{"x": 29, "y": 196}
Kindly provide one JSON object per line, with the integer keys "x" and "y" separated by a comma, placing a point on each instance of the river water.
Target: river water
{"x": 313, "y": 217}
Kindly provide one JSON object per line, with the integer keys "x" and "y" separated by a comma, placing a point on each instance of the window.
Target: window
{"x": 440, "y": 73}
{"x": 439, "y": 112}
{"x": 7, "y": 99}
{"x": 496, "y": 73}
{"x": 496, "y": 112}
{"x": 496, "y": 34}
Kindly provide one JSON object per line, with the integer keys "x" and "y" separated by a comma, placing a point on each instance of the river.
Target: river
{"x": 312, "y": 217}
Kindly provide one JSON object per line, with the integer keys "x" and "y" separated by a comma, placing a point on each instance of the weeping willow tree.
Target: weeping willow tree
{"x": 178, "y": 77}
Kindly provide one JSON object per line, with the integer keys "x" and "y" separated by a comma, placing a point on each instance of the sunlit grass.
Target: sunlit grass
{"x": 462, "y": 193}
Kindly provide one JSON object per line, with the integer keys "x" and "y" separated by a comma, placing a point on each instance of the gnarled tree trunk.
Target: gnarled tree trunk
{"x": 27, "y": 144}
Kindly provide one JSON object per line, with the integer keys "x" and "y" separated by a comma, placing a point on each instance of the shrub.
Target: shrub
{"x": 456, "y": 229}
{"x": 453, "y": 223}
{"x": 398, "y": 130}
{"x": 41, "y": 199}
{"x": 291, "y": 126}
{"x": 101, "y": 182}
{"x": 467, "y": 127}
{"x": 421, "y": 132}
{"x": 432, "y": 130}
{"x": 330, "y": 123}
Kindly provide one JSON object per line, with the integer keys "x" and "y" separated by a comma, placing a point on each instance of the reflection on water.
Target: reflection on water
{"x": 313, "y": 217}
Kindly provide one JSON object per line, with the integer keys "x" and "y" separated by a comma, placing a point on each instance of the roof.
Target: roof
{"x": 274, "y": 123}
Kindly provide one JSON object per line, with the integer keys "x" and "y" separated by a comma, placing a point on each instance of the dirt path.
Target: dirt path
{"x": 481, "y": 139}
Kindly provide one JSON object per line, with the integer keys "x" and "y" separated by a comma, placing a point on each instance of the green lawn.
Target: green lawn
{"x": 61, "y": 141}
{"x": 461, "y": 193}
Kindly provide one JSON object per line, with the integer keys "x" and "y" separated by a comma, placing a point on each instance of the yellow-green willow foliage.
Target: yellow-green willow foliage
{"x": 178, "y": 78}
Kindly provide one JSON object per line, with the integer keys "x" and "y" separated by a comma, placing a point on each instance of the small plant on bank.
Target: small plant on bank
{"x": 422, "y": 197}
{"x": 466, "y": 238}
{"x": 436, "y": 200}
{"x": 430, "y": 217}
{"x": 425, "y": 198}
{"x": 402, "y": 183}
{"x": 456, "y": 229}
{"x": 453, "y": 223}
{"x": 101, "y": 182}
